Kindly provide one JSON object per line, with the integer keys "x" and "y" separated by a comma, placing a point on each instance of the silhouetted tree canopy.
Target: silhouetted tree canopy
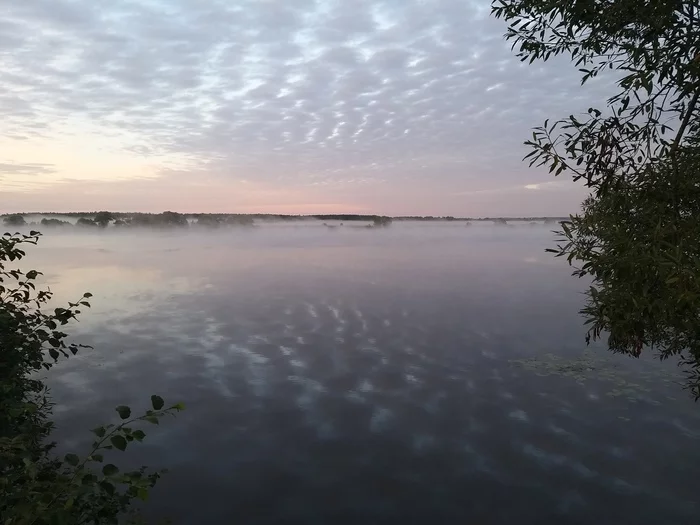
{"x": 82, "y": 221}
{"x": 14, "y": 220}
{"x": 637, "y": 235}
{"x": 103, "y": 218}
{"x": 54, "y": 222}
{"x": 381, "y": 221}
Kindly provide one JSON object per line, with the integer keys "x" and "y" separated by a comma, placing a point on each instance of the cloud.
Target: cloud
{"x": 8, "y": 169}
{"x": 548, "y": 185}
{"x": 406, "y": 95}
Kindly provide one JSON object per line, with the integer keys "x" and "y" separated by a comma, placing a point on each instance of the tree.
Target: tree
{"x": 381, "y": 221}
{"x": 54, "y": 222}
{"x": 15, "y": 220}
{"x": 103, "y": 218}
{"x": 209, "y": 221}
{"x": 36, "y": 486}
{"x": 142, "y": 219}
{"x": 82, "y": 221}
{"x": 636, "y": 235}
{"x": 171, "y": 218}
{"x": 167, "y": 219}
{"x": 239, "y": 220}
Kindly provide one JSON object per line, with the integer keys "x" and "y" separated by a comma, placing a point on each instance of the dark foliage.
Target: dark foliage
{"x": 14, "y": 220}
{"x": 636, "y": 237}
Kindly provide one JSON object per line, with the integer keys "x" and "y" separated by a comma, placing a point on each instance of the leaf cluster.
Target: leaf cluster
{"x": 636, "y": 237}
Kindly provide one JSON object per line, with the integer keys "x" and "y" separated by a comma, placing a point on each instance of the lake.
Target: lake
{"x": 422, "y": 373}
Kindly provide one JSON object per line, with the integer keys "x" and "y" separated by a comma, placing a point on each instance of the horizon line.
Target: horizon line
{"x": 300, "y": 216}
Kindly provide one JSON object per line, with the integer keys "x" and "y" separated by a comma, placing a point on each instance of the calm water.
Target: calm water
{"x": 360, "y": 376}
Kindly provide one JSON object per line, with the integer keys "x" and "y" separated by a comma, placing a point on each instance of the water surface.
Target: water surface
{"x": 372, "y": 376}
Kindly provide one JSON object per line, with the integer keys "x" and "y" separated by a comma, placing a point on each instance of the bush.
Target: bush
{"x": 382, "y": 222}
{"x": 82, "y": 221}
{"x": 239, "y": 220}
{"x": 167, "y": 219}
{"x": 36, "y": 487}
{"x": 103, "y": 218}
{"x": 54, "y": 222}
{"x": 15, "y": 220}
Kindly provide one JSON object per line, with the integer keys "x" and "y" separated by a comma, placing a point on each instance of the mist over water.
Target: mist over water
{"x": 354, "y": 375}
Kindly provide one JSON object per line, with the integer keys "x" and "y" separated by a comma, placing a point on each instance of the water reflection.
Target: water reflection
{"x": 360, "y": 376}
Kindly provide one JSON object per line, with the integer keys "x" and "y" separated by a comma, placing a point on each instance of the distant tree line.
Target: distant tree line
{"x": 104, "y": 218}
{"x": 167, "y": 219}
{"x": 171, "y": 219}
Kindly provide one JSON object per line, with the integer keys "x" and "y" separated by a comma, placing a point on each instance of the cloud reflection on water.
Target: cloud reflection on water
{"x": 364, "y": 376}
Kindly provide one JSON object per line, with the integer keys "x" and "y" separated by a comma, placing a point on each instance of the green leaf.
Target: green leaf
{"x": 157, "y": 402}
{"x": 143, "y": 494}
{"x": 139, "y": 435}
{"x": 72, "y": 460}
{"x": 97, "y": 457}
{"x": 110, "y": 469}
{"x": 118, "y": 442}
{"x": 107, "y": 487}
{"x": 99, "y": 431}
{"x": 88, "y": 479}
{"x": 124, "y": 411}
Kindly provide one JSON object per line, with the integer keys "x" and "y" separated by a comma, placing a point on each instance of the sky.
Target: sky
{"x": 397, "y": 107}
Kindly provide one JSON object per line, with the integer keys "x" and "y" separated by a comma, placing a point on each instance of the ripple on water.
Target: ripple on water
{"x": 542, "y": 457}
{"x": 475, "y": 426}
{"x": 251, "y": 357}
{"x": 336, "y": 314}
{"x": 412, "y": 380}
{"x": 559, "y": 431}
{"x": 354, "y": 397}
{"x": 312, "y": 390}
{"x": 422, "y": 442}
{"x": 381, "y": 418}
{"x": 365, "y": 386}
{"x": 549, "y": 459}
{"x": 519, "y": 415}
{"x": 311, "y": 309}
{"x": 619, "y": 453}
{"x": 477, "y": 461}
{"x": 570, "y": 501}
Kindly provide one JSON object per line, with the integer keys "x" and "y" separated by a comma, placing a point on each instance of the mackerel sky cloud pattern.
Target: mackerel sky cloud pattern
{"x": 294, "y": 106}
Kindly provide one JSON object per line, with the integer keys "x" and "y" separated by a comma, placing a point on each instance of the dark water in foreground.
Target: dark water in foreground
{"x": 355, "y": 376}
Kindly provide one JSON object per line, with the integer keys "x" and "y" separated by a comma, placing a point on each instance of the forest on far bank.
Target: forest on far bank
{"x": 103, "y": 219}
